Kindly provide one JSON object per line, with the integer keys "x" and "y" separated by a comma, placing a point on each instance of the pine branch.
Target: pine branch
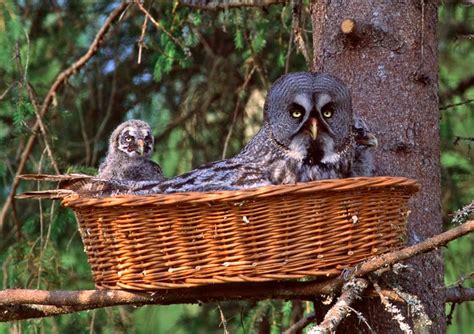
{"x": 51, "y": 95}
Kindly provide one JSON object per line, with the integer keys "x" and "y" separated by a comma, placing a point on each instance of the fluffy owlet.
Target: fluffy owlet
{"x": 290, "y": 133}
{"x": 130, "y": 147}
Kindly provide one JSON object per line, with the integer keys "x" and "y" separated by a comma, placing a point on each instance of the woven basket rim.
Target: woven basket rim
{"x": 410, "y": 185}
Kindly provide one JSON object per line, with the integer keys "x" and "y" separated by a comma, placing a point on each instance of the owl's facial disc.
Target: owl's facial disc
{"x": 135, "y": 142}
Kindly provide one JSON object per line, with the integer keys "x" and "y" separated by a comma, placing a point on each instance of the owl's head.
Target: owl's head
{"x": 316, "y": 105}
{"x": 132, "y": 138}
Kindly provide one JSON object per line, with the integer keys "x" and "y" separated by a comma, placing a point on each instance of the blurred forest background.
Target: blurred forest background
{"x": 201, "y": 82}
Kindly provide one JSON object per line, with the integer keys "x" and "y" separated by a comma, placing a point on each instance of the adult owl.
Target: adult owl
{"x": 128, "y": 156}
{"x": 307, "y": 120}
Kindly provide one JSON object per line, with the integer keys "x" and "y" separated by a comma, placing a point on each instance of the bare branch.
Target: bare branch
{"x": 50, "y": 96}
{"x": 301, "y": 324}
{"x": 141, "y": 41}
{"x": 459, "y": 294}
{"x": 352, "y": 290}
{"x": 408, "y": 252}
{"x": 214, "y": 5}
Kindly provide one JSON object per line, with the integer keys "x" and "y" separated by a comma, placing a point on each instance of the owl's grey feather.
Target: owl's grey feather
{"x": 366, "y": 141}
{"x": 128, "y": 156}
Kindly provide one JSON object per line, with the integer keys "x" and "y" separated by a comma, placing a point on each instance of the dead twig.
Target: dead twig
{"x": 298, "y": 326}
{"x": 454, "y": 105}
{"x": 351, "y": 291}
{"x": 236, "y": 110}
{"x": 160, "y": 27}
{"x": 141, "y": 41}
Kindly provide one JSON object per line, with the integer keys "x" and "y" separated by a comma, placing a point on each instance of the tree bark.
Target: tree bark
{"x": 389, "y": 60}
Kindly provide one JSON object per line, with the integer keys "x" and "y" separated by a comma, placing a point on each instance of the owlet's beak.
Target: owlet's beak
{"x": 312, "y": 127}
{"x": 140, "y": 146}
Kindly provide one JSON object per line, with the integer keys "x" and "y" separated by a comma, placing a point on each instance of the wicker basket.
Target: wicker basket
{"x": 269, "y": 233}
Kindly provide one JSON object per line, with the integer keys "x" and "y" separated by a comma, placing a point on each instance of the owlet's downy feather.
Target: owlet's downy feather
{"x": 128, "y": 156}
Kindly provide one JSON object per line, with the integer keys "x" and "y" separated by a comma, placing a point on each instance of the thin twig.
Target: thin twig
{"x": 141, "y": 41}
{"x": 223, "y": 319}
{"x": 50, "y": 96}
{"x": 43, "y": 130}
{"x": 105, "y": 120}
{"x": 298, "y": 326}
{"x": 454, "y": 105}
{"x": 5, "y": 92}
{"x": 160, "y": 27}
{"x": 236, "y": 110}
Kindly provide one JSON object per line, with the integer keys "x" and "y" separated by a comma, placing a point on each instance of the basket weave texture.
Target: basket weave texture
{"x": 270, "y": 233}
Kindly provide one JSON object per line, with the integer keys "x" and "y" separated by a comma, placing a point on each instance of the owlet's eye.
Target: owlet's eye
{"x": 128, "y": 139}
{"x": 296, "y": 111}
{"x": 328, "y": 111}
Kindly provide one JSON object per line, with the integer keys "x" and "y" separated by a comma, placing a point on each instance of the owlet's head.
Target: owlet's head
{"x": 132, "y": 138}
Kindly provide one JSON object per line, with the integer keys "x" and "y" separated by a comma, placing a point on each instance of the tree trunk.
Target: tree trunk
{"x": 388, "y": 56}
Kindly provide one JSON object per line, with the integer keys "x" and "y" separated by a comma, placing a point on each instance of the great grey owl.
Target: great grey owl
{"x": 130, "y": 147}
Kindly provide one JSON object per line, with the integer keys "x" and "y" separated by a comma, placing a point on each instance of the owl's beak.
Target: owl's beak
{"x": 140, "y": 146}
{"x": 369, "y": 140}
{"x": 312, "y": 127}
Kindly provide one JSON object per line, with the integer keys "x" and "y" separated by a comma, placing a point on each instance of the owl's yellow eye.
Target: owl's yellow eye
{"x": 327, "y": 114}
{"x": 296, "y": 114}
{"x": 296, "y": 111}
{"x": 128, "y": 139}
{"x": 328, "y": 110}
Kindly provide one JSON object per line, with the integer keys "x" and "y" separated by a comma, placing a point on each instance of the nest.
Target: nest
{"x": 282, "y": 232}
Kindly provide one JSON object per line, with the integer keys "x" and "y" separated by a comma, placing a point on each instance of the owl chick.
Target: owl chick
{"x": 277, "y": 152}
{"x": 130, "y": 147}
